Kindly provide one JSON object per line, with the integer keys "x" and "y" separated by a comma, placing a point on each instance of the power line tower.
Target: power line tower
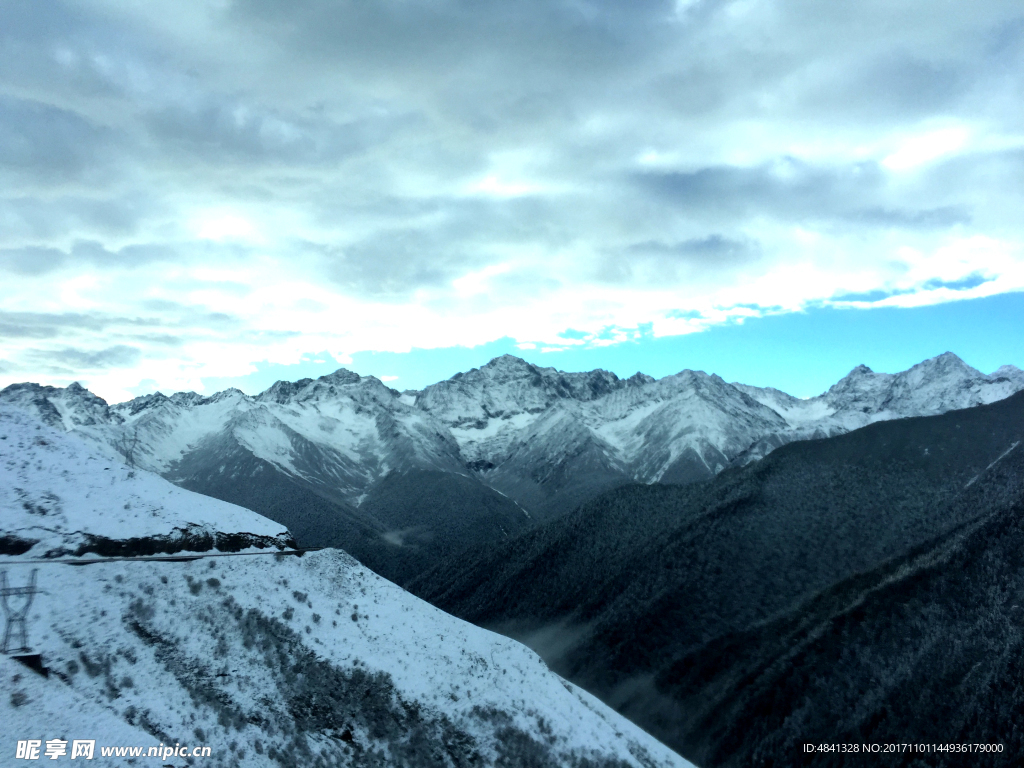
{"x": 16, "y": 630}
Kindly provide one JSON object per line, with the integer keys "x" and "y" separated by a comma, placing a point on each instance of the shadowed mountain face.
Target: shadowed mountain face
{"x": 222, "y": 468}
{"x": 406, "y": 523}
{"x": 703, "y": 609}
{"x": 428, "y": 516}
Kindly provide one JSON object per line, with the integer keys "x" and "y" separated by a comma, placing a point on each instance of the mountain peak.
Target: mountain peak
{"x": 858, "y": 377}
{"x": 639, "y": 378}
{"x": 861, "y": 390}
{"x": 284, "y": 391}
{"x": 341, "y": 376}
{"x": 942, "y": 366}
{"x": 508, "y": 363}
{"x": 186, "y": 399}
{"x": 141, "y": 403}
{"x": 226, "y": 393}
{"x": 1010, "y": 372}
{"x": 946, "y": 360}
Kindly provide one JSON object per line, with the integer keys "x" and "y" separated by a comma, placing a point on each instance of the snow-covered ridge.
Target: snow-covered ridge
{"x": 270, "y": 661}
{"x": 935, "y": 386}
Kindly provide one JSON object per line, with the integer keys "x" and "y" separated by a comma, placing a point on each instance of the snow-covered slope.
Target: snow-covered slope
{"x": 549, "y": 439}
{"x": 268, "y": 660}
{"x": 342, "y": 431}
{"x": 37, "y": 707}
{"x": 940, "y": 384}
{"x": 61, "y": 495}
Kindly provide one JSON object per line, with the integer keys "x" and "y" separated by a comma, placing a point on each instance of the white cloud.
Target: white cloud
{"x": 926, "y": 148}
{"x": 492, "y": 185}
{"x": 478, "y": 282}
{"x": 226, "y": 226}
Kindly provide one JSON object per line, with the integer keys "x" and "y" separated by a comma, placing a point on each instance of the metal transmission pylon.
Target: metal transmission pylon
{"x": 16, "y": 630}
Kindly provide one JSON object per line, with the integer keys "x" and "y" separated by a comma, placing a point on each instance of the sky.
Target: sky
{"x": 224, "y": 193}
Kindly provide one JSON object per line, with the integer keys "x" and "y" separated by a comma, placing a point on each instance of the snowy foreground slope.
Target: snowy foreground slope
{"x": 270, "y": 660}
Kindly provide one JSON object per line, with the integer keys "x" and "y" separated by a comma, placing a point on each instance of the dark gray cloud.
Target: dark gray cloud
{"x": 656, "y": 261}
{"x": 891, "y": 86}
{"x": 32, "y": 260}
{"x": 712, "y": 250}
{"x": 43, "y": 325}
{"x": 251, "y": 134}
{"x": 995, "y": 176}
{"x": 68, "y": 359}
{"x": 394, "y": 262}
{"x": 181, "y": 315}
{"x": 38, "y": 260}
{"x": 42, "y": 144}
{"x": 398, "y": 259}
{"x": 792, "y": 190}
{"x": 931, "y": 218}
{"x": 59, "y": 48}
{"x": 53, "y": 217}
{"x": 588, "y": 37}
{"x": 160, "y": 340}
{"x": 788, "y": 187}
{"x": 172, "y": 316}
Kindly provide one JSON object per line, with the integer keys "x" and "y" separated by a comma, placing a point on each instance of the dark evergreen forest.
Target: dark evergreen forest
{"x": 862, "y": 588}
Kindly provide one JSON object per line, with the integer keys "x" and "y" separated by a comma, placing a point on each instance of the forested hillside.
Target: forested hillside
{"x": 651, "y": 595}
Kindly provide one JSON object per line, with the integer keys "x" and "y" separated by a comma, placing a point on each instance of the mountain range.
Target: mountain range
{"x": 403, "y": 480}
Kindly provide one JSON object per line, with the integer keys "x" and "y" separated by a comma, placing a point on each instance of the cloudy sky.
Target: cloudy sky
{"x": 220, "y": 191}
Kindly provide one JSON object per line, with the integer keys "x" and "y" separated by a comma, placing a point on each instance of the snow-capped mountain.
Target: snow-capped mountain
{"x": 266, "y": 660}
{"x": 862, "y": 397}
{"x": 548, "y": 438}
{"x": 345, "y": 460}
